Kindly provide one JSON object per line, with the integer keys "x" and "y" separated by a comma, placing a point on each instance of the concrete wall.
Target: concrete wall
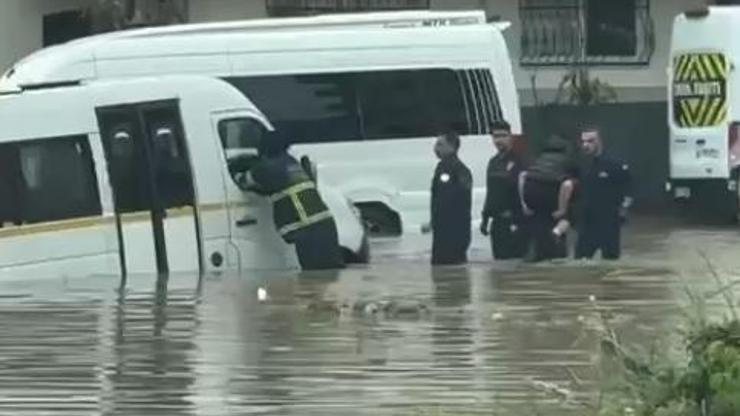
{"x": 21, "y": 25}
{"x": 638, "y": 83}
{"x": 219, "y": 10}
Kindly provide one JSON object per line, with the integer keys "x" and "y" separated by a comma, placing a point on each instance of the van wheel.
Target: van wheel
{"x": 379, "y": 220}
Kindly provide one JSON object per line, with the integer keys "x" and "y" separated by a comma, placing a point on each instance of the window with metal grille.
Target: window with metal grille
{"x": 595, "y": 32}
{"x": 308, "y": 7}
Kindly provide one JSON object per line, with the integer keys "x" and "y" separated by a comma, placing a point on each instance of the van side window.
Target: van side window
{"x": 472, "y": 100}
{"x": 369, "y": 105}
{"x": 488, "y": 97}
{"x": 147, "y": 156}
{"x": 47, "y": 180}
{"x": 240, "y": 138}
{"x": 307, "y": 108}
{"x": 174, "y": 179}
{"x": 411, "y": 103}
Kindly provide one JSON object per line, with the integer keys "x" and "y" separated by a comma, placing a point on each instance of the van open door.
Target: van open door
{"x": 253, "y": 236}
{"x": 151, "y": 175}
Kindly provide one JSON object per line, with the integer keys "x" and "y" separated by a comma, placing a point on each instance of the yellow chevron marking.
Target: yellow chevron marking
{"x": 721, "y": 115}
{"x": 687, "y": 113}
{"x": 721, "y": 63}
{"x": 711, "y": 111}
{"x": 709, "y": 67}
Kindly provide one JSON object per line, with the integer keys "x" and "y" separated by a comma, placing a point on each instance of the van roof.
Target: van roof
{"x": 710, "y": 12}
{"x": 69, "y": 110}
{"x": 78, "y": 60}
{"x": 713, "y": 27}
{"x": 321, "y": 22}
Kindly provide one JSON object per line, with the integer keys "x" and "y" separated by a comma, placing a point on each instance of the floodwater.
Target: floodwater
{"x": 394, "y": 338}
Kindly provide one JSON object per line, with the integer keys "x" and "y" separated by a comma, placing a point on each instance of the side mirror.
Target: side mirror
{"x": 242, "y": 163}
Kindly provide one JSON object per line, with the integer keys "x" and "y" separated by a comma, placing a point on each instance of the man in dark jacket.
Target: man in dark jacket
{"x": 451, "y": 204}
{"x": 300, "y": 215}
{"x": 502, "y": 217}
{"x": 546, "y": 187}
{"x": 604, "y": 194}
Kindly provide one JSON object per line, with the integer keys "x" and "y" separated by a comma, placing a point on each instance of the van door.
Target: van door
{"x": 252, "y": 230}
{"x": 151, "y": 176}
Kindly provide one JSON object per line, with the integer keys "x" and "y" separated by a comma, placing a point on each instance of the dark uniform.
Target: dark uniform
{"x": 541, "y": 192}
{"x": 604, "y": 184}
{"x": 503, "y": 207}
{"x": 452, "y": 190}
{"x": 300, "y": 215}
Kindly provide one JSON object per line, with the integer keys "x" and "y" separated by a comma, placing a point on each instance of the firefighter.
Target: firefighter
{"x": 502, "y": 217}
{"x": 452, "y": 189}
{"x": 605, "y": 199}
{"x": 300, "y": 215}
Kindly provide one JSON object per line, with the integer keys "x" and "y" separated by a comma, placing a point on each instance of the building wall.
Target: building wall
{"x": 21, "y": 32}
{"x": 21, "y": 25}
{"x": 633, "y": 84}
{"x": 219, "y": 10}
{"x": 637, "y": 83}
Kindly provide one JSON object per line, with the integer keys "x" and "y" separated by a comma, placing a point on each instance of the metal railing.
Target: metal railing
{"x": 307, "y": 7}
{"x": 555, "y": 32}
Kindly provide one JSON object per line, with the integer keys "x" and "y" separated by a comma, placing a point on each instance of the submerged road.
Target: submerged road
{"x": 393, "y": 338}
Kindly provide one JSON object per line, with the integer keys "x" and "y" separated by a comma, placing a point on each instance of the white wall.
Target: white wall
{"x": 21, "y": 25}
{"x": 219, "y": 10}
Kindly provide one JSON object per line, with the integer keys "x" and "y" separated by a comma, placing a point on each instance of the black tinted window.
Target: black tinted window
{"x": 413, "y": 103}
{"x": 47, "y": 180}
{"x": 306, "y": 108}
{"x": 170, "y": 157}
{"x": 148, "y": 164}
{"x": 361, "y": 105}
{"x": 611, "y": 28}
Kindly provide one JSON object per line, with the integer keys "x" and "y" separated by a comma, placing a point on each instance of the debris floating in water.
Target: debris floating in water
{"x": 262, "y": 294}
{"x": 497, "y": 316}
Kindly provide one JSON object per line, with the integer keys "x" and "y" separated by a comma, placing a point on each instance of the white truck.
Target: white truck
{"x": 704, "y": 111}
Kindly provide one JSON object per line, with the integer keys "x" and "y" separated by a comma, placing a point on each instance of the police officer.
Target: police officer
{"x": 451, "y": 204}
{"x": 604, "y": 196}
{"x": 300, "y": 215}
{"x": 502, "y": 217}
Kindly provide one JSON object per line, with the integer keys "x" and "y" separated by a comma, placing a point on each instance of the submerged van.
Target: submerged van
{"x": 704, "y": 110}
{"x": 362, "y": 95}
{"x": 132, "y": 176}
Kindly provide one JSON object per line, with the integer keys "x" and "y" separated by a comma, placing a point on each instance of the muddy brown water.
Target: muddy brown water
{"x": 394, "y": 338}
